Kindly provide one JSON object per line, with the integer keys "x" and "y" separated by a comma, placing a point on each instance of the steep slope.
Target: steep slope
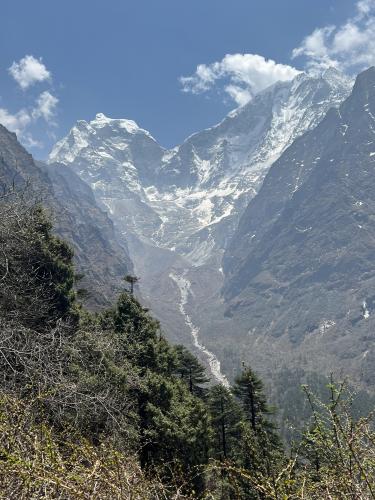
{"x": 178, "y": 208}
{"x": 188, "y": 199}
{"x": 98, "y": 253}
{"x": 300, "y": 272}
{"x": 17, "y": 165}
{"x": 116, "y": 158}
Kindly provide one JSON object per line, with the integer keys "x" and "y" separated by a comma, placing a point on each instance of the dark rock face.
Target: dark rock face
{"x": 300, "y": 270}
{"x": 99, "y": 253}
{"x": 17, "y": 165}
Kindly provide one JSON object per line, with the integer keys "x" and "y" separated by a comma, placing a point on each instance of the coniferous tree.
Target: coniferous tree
{"x": 191, "y": 371}
{"x": 138, "y": 330}
{"x": 226, "y": 418}
{"x": 132, "y": 280}
{"x": 261, "y": 447}
{"x": 173, "y": 423}
{"x": 249, "y": 390}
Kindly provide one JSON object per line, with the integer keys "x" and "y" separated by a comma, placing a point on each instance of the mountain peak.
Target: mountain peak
{"x": 130, "y": 126}
{"x": 336, "y": 77}
{"x": 118, "y": 132}
{"x": 365, "y": 78}
{"x": 206, "y": 180}
{"x": 333, "y": 72}
{"x": 101, "y": 117}
{"x": 102, "y": 121}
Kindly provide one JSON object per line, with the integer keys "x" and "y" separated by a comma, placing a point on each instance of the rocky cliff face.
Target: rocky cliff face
{"x": 77, "y": 218}
{"x": 100, "y": 254}
{"x": 300, "y": 272}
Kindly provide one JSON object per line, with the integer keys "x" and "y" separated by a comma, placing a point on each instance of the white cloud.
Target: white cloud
{"x": 350, "y": 46}
{"x": 244, "y": 75}
{"x": 21, "y": 121}
{"x": 42, "y": 109}
{"x": 364, "y": 7}
{"x": 239, "y": 94}
{"x": 45, "y": 106}
{"x": 30, "y": 142}
{"x": 15, "y": 122}
{"x": 28, "y": 71}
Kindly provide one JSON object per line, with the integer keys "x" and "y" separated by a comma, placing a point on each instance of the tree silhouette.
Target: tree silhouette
{"x": 191, "y": 371}
{"x": 129, "y": 278}
{"x": 250, "y": 392}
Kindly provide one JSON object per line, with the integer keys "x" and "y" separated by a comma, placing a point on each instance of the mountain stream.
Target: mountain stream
{"x": 184, "y": 287}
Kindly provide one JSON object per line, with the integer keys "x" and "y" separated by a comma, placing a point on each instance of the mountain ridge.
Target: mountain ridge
{"x": 210, "y": 177}
{"x": 99, "y": 255}
{"x": 299, "y": 271}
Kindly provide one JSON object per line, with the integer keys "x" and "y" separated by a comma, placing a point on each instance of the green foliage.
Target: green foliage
{"x": 250, "y": 392}
{"x": 36, "y": 269}
{"x": 173, "y": 423}
{"x": 132, "y": 280}
{"x": 145, "y": 346}
{"x": 247, "y": 444}
{"x": 176, "y": 424}
{"x": 102, "y": 406}
{"x": 107, "y": 376}
{"x": 226, "y": 418}
{"x": 191, "y": 371}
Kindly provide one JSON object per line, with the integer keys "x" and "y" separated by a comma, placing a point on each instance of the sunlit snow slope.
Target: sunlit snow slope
{"x": 188, "y": 199}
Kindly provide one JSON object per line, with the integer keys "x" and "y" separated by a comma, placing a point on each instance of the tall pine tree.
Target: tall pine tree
{"x": 261, "y": 445}
{"x": 249, "y": 390}
{"x": 191, "y": 371}
{"x": 226, "y": 419}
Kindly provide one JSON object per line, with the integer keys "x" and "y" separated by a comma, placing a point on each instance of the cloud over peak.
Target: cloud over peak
{"x": 350, "y": 46}
{"x": 28, "y": 71}
{"x": 15, "y": 122}
{"x": 243, "y": 76}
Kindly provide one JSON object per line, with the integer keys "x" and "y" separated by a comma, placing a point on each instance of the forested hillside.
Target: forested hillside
{"x": 102, "y": 406}
{"x": 100, "y": 254}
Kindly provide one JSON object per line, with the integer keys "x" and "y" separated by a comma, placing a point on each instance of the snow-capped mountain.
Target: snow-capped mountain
{"x": 299, "y": 272}
{"x": 178, "y": 209}
{"x": 189, "y": 199}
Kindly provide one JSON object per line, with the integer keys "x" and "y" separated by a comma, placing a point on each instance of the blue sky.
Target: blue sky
{"x": 126, "y": 59}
